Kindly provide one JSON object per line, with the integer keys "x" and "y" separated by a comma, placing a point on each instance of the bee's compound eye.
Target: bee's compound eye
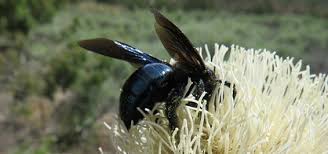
{"x": 209, "y": 74}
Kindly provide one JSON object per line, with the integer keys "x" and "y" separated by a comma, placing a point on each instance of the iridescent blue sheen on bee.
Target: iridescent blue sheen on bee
{"x": 144, "y": 87}
{"x": 156, "y": 81}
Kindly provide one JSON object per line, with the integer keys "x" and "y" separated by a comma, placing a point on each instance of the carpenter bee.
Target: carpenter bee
{"x": 155, "y": 80}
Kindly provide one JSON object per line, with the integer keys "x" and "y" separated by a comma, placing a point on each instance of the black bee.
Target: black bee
{"x": 155, "y": 80}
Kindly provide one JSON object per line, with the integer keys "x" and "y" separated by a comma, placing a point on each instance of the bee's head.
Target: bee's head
{"x": 209, "y": 75}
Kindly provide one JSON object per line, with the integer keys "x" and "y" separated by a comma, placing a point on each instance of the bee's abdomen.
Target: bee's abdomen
{"x": 143, "y": 89}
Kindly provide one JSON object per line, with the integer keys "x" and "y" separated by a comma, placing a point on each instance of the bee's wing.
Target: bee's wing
{"x": 118, "y": 50}
{"x": 177, "y": 44}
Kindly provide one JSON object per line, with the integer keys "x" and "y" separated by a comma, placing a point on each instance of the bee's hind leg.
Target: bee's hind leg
{"x": 173, "y": 102}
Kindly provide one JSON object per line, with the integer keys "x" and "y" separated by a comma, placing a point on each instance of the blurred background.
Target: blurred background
{"x": 55, "y": 96}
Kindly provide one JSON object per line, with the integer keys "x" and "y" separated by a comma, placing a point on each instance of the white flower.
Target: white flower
{"x": 279, "y": 108}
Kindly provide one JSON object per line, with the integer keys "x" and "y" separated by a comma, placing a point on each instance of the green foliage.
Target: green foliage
{"x": 44, "y": 148}
{"x": 19, "y": 72}
{"x": 62, "y": 71}
{"x": 310, "y": 7}
{"x": 21, "y": 15}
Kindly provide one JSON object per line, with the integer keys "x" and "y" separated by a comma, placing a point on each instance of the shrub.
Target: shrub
{"x": 21, "y": 15}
